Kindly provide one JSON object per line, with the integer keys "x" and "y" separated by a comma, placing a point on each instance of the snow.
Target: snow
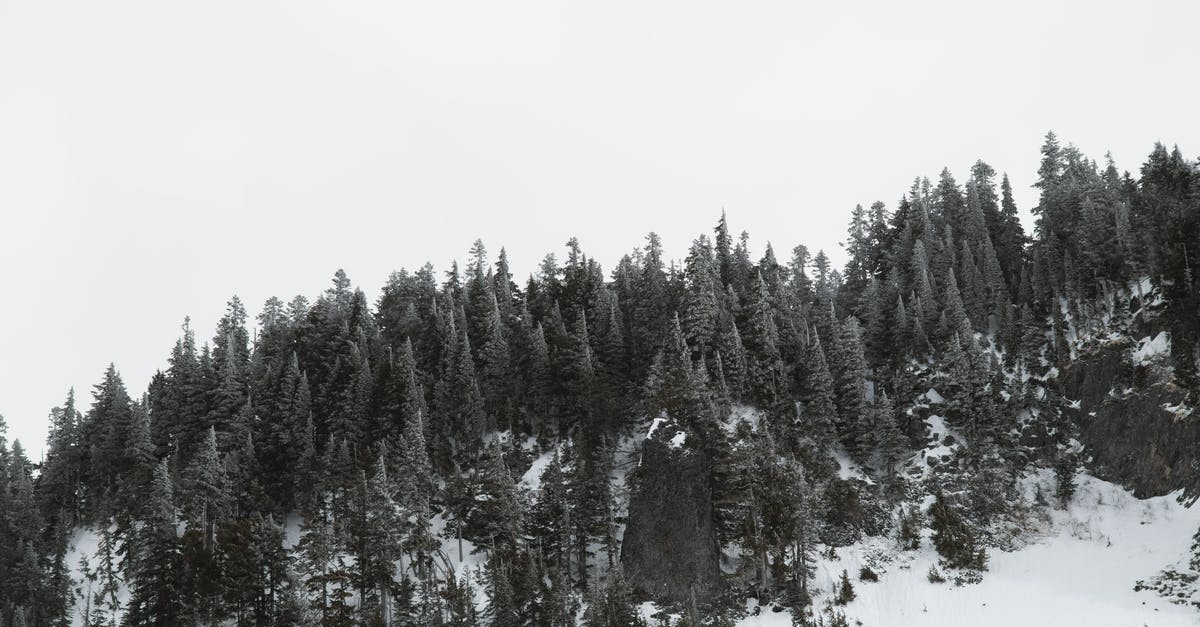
{"x": 937, "y": 427}
{"x": 1079, "y": 571}
{"x": 468, "y": 561}
{"x": 82, "y": 548}
{"x": 739, "y": 413}
{"x": 292, "y": 531}
{"x": 1180, "y": 410}
{"x": 936, "y": 447}
{"x": 934, "y": 397}
{"x": 1148, "y": 349}
{"x": 676, "y": 440}
{"x": 848, "y": 469}
{"x": 532, "y": 479}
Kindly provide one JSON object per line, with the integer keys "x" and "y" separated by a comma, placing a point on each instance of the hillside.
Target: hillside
{"x": 712, "y": 441}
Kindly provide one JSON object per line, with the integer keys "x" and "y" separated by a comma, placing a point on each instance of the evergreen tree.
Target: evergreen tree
{"x": 820, "y": 409}
{"x": 154, "y": 578}
{"x": 953, "y": 537}
{"x": 612, "y": 605}
{"x": 501, "y": 610}
{"x": 734, "y": 360}
{"x": 375, "y": 534}
{"x": 845, "y": 590}
{"x": 762, "y": 347}
{"x": 850, "y": 384}
{"x": 890, "y": 441}
{"x": 206, "y": 496}
{"x": 699, "y": 318}
{"x": 494, "y": 360}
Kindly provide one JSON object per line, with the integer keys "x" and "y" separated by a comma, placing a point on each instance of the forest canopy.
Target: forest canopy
{"x": 387, "y": 431}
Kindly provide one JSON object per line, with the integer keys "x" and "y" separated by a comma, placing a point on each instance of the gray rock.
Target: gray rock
{"x": 670, "y": 544}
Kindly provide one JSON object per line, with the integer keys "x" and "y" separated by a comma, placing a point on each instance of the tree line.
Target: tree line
{"x": 390, "y": 428}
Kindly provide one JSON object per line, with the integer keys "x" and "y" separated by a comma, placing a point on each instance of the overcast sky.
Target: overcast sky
{"x": 158, "y": 157}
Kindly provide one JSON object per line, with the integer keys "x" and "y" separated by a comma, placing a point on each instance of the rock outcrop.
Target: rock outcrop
{"x": 1132, "y": 423}
{"x": 670, "y": 547}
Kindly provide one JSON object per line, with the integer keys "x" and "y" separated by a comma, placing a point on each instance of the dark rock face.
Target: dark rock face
{"x": 1130, "y": 436}
{"x": 1091, "y": 377}
{"x": 670, "y": 545}
{"x": 1135, "y": 442}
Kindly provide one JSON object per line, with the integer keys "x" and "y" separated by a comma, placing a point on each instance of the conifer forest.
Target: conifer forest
{"x": 733, "y": 433}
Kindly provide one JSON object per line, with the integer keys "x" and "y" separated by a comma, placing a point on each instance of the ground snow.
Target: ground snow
{"x": 292, "y": 531}
{"x": 658, "y": 422}
{"x": 739, "y": 413}
{"x": 1080, "y": 571}
{"x": 532, "y": 479}
{"x": 848, "y": 468}
{"x": 82, "y": 547}
{"x": 1148, "y": 348}
{"x": 937, "y": 447}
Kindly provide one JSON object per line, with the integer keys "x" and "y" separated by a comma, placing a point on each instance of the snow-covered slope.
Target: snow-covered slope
{"x": 1080, "y": 569}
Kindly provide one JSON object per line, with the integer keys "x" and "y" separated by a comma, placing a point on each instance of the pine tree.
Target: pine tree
{"x": 376, "y": 537}
{"x": 803, "y": 522}
{"x": 1009, "y": 237}
{"x": 957, "y": 321}
{"x": 699, "y": 318}
{"x": 501, "y": 610}
{"x": 1065, "y": 468}
{"x": 613, "y": 604}
{"x": 106, "y": 428}
{"x": 415, "y": 478}
{"x": 154, "y": 578}
{"x": 723, "y": 251}
{"x": 548, "y": 517}
{"x": 460, "y": 602}
{"x": 890, "y": 441}
{"x": 845, "y": 590}
{"x": 734, "y": 360}
{"x": 953, "y": 537}
{"x": 319, "y": 557}
{"x": 974, "y": 298}
{"x": 800, "y": 284}
{"x": 922, "y": 286}
{"x": 494, "y": 360}
{"x": 461, "y": 402}
{"x": 206, "y": 496}
{"x": 676, "y": 390}
{"x": 850, "y": 385}
{"x": 762, "y": 344}
{"x": 820, "y": 408}
{"x": 495, "y": 521}
{"x": 139, "y": 461}
{"x": 61, "y": 476}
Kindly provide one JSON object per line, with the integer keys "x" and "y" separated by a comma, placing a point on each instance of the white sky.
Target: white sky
{"x": 158, "y": 157}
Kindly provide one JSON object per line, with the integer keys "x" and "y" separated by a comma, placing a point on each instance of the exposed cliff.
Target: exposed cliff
{"x": 670, "y": 546}
{"x": 1133, "y": 424}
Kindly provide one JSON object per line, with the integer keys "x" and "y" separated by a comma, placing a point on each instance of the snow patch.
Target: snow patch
{"x": 742, "y": 413}
{"x": 848, "y": 468}
{"x": 658, "y": 422}
{"x": 1148, "y": 349}
{"x": 532, "y": 479}
{"x": 1080, "y": 571}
